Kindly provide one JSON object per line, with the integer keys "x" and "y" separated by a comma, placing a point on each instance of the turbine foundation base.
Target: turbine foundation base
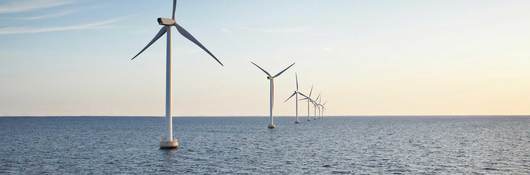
{"x": 271, "y": 126}
{"x": 172, "y": 144}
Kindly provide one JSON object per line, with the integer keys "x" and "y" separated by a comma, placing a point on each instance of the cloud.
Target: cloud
{"x": 293, "y": 29}
{"x": 16, "y": 6}
{"x": 31, "y": 30}
{"x": 53, "y": 15}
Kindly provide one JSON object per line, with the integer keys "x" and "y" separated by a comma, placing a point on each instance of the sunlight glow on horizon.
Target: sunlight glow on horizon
{"x": 365, "y": 57}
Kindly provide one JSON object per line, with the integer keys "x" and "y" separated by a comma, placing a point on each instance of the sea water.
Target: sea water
{"x": 244, "y": 145}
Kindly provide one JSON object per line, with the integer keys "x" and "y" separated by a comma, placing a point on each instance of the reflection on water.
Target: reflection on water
{"x": 402, "y": 145}
{"x": 168, "y": 154}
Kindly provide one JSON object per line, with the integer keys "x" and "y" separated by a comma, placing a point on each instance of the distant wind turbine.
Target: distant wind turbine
{"x": 309, "y": 100}
{"x": 319, "y": 105}
{"x": 323, "y": 106}
{"x": 315, "y": 106}
{"x": 166, "y": 24}
{"x": 295, "y": 94}
{"x": 271, "y": 81}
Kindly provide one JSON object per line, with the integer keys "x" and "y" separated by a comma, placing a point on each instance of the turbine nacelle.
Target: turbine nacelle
{"x": 166, "y": 21}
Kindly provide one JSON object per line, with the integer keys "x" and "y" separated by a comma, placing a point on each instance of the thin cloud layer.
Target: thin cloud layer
{"x": 32, "y": 30}
{"x": 292, "y": 29}
{"x": 46, "y": 16}
{"x": 17, "y": 6}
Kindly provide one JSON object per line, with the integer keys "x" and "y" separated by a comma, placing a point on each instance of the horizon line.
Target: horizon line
{"x": 287, "y": 116}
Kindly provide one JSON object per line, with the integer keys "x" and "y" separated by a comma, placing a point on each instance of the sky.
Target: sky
{"x": 380, "y": 57}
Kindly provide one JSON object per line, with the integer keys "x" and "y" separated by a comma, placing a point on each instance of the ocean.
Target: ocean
{"x": 244, "y": 145}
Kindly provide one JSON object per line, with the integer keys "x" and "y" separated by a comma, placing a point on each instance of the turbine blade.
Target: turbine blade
{"x": 296, "y": 77}
{"x": 303, "y": 95}
{"x": 283, "y": 71}
{"x": 174, "y": 7}
{"x": 310, "y": 92}
{"x": 294, "y": 93}
{"x": 157, "y": 36}
{"x": 190, "y": 37}
{"x": 261, "y": 68}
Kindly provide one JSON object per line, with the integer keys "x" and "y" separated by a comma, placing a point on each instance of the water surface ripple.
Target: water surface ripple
{"x": 348, "y": 145}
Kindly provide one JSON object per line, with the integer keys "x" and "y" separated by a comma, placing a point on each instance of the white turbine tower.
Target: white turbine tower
{"x": 271, "y": 81}
{"x": 319, "y": 105}
{"x": 295, "y": 93}
{"x": 315, "y": 107}
{"x": 305, "y": 98}
{"x": 323, "y": 106}
{"x": 167, "y": 23}
{"x": 308, "y": 98}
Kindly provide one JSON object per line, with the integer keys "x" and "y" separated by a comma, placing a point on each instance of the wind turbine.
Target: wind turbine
{"x": 323, "y": 106}
{"x": 319, "y": 105}
{"x": 271, "y": 81}
{"x": 295, "y": 93}
{"x": 315, "y": 107}
{"x": 308, "y": 98}
{"x": 167, "y": 23}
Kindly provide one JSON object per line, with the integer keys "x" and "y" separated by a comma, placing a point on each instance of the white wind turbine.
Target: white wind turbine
{"x": 315, "y": 106}
{"x": 271, "y": 81}
{"x": 166, "y": 24}
{"x": 295, "y": 93}
{"x": 323, "y": 107}
{"x": 308, "y": 98}
{"x": 319, "y": 105}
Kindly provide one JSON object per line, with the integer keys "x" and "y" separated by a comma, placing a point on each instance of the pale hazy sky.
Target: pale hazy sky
{"x": 70, "y": 57}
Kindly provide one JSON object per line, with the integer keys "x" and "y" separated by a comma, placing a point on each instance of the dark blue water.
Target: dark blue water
{"x": 352, "y": 145}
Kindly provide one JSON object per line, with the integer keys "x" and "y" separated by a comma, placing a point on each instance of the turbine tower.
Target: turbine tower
{"x": 308, "y": 99}
{"x": 323, "y": 106}
{"x": 271, "y": 81}
{"x": 319, "y": 107}
{"x": 167, "y": 23}
{"x": 295, "y": 93}
{"x": 315, "y": 107}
